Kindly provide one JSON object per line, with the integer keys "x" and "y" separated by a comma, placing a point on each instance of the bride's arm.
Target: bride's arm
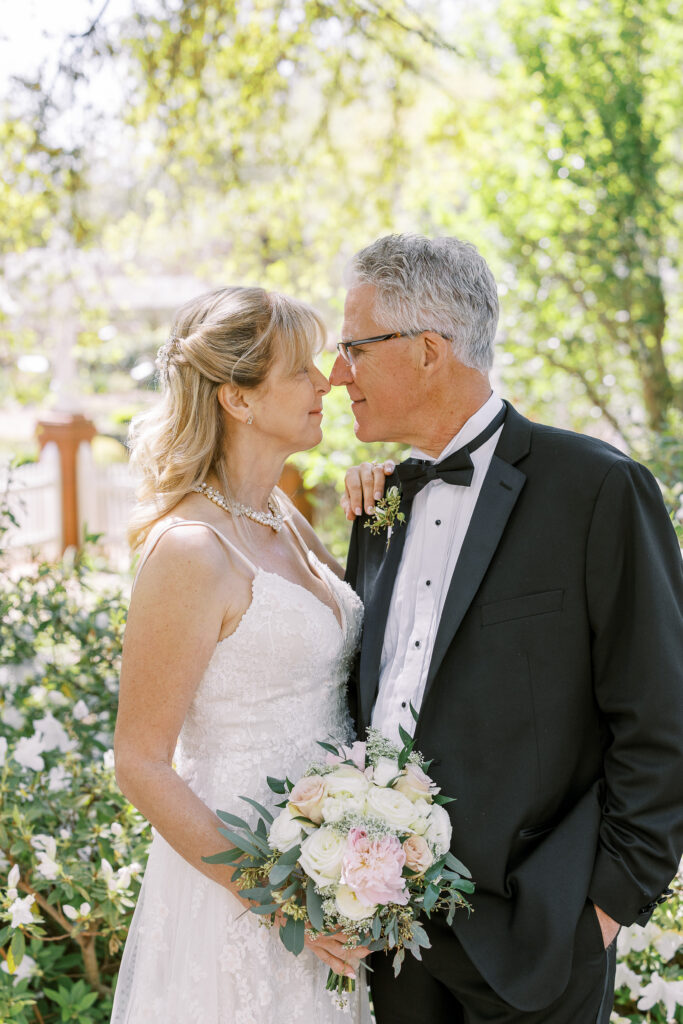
{"x": 176, "y": 613}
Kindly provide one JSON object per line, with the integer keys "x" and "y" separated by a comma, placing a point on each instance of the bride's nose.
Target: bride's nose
{"x": 320, "y": 381}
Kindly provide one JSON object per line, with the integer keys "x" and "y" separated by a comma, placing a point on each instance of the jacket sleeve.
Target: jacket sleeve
{"x": 634, "y": 585}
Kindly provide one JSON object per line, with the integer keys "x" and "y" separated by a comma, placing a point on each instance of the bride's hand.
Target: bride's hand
{"x": 332, "y": 951}
{"x": 363, "y": 486}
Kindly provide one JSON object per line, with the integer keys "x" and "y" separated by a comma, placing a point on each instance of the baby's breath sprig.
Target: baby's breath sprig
{"x": 386, "y": 514}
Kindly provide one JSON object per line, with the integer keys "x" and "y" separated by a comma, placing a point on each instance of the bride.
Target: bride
{"x": 237, "y": 646}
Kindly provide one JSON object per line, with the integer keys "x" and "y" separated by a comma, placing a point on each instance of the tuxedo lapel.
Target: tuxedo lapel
{"x": 377, "y": 601}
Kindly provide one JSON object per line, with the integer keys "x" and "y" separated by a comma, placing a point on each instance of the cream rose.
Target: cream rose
{"x": 418, "y": 855}
{"x": 321, "y": 856}
{"x": 284, "y": 833}
{"x": 350, "y": 906}
{"x": 439, "y": 829}
{"x": 307, "y": 798}
{"x": 346, "y": 781}
{"x": 422, "y": 811}
{"x": 386, "y": 769}
{"x": 416, "y": 785}
{"x": 395, "y": 808}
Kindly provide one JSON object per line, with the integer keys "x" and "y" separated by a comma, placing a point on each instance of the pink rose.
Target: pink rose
{"x": 372, "y": 868}
{"x": 415, "y": 784}
{"x": 418, "y": 855}
{"x": 355, "y": 753}
{"x": 307, "y": 798}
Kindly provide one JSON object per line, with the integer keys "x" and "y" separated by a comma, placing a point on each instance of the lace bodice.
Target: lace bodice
{"x": 271, "y": 690}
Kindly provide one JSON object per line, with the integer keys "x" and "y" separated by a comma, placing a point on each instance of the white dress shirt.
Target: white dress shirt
{"x": 439, "y": 520}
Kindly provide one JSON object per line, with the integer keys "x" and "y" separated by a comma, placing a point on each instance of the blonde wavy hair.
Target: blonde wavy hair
{"x": 233, "y": 334}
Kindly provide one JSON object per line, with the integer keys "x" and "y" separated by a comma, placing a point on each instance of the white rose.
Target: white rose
{"x": 345, "y": 790}
{"x": 284, "y": 832}
{"x": 416, "y": 785}
{"x": 386, "y": 769}
{"x": 346, "y": 782}
{"x": 422, "y": 811}
{"x": 321, "y": 856}
{"x": 395, "y": 808}
{"x": 350, "y": 906}
{"x": 439, "y": 830}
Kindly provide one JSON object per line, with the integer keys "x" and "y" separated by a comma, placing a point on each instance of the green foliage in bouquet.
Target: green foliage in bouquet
{"x": 71, "y": 846}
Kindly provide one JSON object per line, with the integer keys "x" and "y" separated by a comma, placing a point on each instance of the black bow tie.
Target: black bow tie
{"x": 414, "y": 474}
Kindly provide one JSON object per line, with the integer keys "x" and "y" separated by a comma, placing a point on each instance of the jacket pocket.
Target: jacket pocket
{"x": 521, "y": 607}
{"x": 536, "y": 830}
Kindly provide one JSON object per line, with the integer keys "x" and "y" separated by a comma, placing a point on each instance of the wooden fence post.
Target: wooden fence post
{"x": 67, "y": 430}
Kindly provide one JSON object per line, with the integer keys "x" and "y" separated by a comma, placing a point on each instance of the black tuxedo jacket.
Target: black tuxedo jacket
{"x": 554, "y": 701}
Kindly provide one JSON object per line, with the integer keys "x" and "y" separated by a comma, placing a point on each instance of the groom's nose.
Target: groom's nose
{"x": 341, "y": 372}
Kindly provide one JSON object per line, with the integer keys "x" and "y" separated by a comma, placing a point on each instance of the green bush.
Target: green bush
{"x": 71, "y": 847}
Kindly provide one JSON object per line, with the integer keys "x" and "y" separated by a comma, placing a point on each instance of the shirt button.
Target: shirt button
{"x": 428, "y": 583}
{"x": 437, "y": 522}
{"x": 417, "y": 643}
{"x": 403, "y": 704}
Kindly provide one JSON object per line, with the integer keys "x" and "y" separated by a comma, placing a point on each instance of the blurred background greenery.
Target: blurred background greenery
{"x": 152, "y": 148}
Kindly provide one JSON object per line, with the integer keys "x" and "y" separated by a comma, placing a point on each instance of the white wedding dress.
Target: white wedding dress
{"x": 271, "y": 689}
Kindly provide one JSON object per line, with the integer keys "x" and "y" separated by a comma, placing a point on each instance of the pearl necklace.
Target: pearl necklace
{"x": 273, "y": 518}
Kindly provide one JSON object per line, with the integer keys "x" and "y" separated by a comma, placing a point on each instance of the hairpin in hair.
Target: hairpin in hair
{"x": 165, "y": 353}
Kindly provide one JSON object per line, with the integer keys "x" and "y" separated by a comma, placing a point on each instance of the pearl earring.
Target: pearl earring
{"x": 250, "y": 420}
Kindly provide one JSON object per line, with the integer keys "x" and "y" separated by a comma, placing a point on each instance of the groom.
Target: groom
{"x": 530, "y": 608}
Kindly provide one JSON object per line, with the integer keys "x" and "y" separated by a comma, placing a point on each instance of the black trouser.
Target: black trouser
{"x": 446, "y": 987}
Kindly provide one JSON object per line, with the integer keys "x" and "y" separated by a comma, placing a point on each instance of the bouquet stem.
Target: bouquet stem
{"x": 341, "y": 986}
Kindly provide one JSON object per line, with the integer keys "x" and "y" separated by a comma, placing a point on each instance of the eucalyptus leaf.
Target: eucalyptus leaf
{"x": 277, "y": 785}
{"x": 314, "y": 906}
{"x": 263, "y": 811}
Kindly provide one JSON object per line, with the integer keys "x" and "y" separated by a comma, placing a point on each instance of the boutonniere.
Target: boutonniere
{"x": 386, "y": 513}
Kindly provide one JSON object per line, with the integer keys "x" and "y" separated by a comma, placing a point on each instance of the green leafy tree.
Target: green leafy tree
{"x": 575, "y": 172}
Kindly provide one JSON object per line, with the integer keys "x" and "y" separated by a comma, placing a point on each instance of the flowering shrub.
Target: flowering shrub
{"x": 71, "y": 847}
{"x": 649, "y": 981}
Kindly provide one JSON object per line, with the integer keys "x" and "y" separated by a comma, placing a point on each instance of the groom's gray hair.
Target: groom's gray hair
{"x": 440, "y": 284}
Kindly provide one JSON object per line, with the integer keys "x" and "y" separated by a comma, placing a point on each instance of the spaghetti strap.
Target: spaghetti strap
{"x": 302, "y": 542}
{"x": 191, "y": 522}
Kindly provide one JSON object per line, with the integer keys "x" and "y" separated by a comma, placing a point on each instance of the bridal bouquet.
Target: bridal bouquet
{"x": 361, "y": 844}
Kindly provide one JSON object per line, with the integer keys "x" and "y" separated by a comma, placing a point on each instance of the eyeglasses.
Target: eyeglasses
{"x": 344, "y": 346}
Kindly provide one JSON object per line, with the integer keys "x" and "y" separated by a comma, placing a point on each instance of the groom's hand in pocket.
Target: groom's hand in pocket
{"x": 332, "y": 951}
{"x": 363, "y": 486}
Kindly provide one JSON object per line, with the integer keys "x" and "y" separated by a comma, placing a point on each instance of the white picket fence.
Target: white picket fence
{"x": 106, "y": 495}
{"x": 34, "y": 496}
{"x": 105, "y": 499}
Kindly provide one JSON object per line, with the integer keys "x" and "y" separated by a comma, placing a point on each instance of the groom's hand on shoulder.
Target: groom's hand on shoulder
{"x": 363, "y": 486}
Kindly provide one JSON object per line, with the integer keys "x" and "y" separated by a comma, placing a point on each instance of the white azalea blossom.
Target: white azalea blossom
{"x": 25, "y": 969}
{"x": 115, "y": 879}
{"x": 658, "y": 990}
{"x": 3, "y": 750}
{"x": 625, "y": 976}
{"x": 46, "y": 853}
{"x": 12, "y": 717}
{"x": 28, "y": 750}
{"x": 667, "y": 944}
{"x": 108, "y": 759}
{"x": 55, "y": 736}
{"x": 635, "y": 939}
{"x": 21, "y": 911}
{"x": 58, "y": 779}
{"x": 12, "y": 882}
{"x": 70, "y": 912}
{"x": 80, "y": 710}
